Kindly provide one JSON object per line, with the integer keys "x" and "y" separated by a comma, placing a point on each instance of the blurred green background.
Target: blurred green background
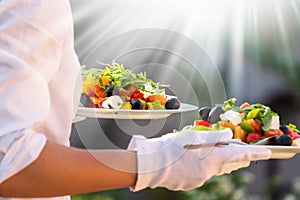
{"x": 207, "y": 51}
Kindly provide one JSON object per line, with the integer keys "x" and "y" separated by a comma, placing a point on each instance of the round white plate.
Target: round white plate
{"x": 132, "y": 114}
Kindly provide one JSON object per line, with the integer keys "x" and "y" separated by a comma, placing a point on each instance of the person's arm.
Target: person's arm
{"x": 61, "y": 170}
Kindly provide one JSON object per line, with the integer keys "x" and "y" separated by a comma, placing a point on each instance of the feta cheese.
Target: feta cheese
{"x": 148, "y": 87}
{"x": 233, "y": 117}
{"x": 275, "y": 123}
{"x": 149, "y": 90}
{"x": 114, "y": 102}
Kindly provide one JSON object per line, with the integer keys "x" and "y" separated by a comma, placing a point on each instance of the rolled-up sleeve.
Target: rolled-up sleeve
{"x": 29, "y": 56}
{"x": 24, "y": 102}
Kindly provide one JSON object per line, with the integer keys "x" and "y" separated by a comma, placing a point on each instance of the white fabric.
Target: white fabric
{"x": 163, "y": 162}
{"x": 38, "y": 72}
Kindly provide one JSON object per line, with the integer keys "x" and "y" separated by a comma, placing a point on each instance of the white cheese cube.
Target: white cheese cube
{"x": 233, "y": 117}
{"x": 275, "y": 123}
{"x": 114, "y": 102}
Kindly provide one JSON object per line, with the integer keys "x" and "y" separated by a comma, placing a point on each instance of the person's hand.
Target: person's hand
{"x": 164, "y": 162}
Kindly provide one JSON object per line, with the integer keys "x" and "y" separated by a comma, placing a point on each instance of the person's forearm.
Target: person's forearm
{"x": 63, "y": 170}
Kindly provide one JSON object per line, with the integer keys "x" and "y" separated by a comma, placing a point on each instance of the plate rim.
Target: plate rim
{"x": 133, "y": 114}
{"x": 280, "y": 151}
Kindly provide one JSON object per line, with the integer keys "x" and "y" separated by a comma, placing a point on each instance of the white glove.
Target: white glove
{"x": 164, "y": 162}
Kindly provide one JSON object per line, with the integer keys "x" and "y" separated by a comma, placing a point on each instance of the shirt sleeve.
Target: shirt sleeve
{"x": 29, "y": 57}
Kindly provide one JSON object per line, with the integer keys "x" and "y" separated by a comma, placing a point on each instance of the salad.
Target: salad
{"x": 115, "y": 87}
{"x": 250, "y": 123}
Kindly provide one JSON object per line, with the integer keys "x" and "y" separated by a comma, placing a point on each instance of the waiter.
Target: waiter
{"x": 39, "y": 87}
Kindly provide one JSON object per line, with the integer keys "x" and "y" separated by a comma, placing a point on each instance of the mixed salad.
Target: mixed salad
{"x": 115, "y": 87}
{"x": 250, "y": 123}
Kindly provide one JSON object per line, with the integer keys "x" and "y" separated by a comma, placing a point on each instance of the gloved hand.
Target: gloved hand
{"x": 164, "y": 162}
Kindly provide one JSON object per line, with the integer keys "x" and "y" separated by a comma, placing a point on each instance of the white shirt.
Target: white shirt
{"x": 38, "y": 73}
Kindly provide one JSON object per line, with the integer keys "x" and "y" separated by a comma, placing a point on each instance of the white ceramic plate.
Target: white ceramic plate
{"x": 132, "y": 114}
{"x": 278, "y": 152}
{"x": 282, "y": 152}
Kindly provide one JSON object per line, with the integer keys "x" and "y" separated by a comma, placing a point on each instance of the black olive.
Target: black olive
{"x": 214, "y": 114}
{"x": 111, "y": 91}
{"x": 284, "y": 129}
{"x": 85, "y": 100}
{"x": 136, "y": 104}
{"x": 283, "y": 140}
{"x": 172, "y": 103}
{"x": 204, "y": 112}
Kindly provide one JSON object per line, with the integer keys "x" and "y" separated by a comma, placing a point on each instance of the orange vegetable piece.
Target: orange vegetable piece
{"x": 256, "y": 124}
{"x": 94, "y": 100}
{"x": 226, "y": 124}
{"x": 105, "y": 80}
{"x": 239, "y": 133}
{"x": 157, "y": 97}
{"x": 99, "y": 91}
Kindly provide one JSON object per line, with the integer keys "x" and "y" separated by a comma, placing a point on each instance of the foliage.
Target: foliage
{"x": 227, "y": 187}
{"x": 277, "y": 50}
{"x": 118, "y": 76}
{"x": 105, "y": 195}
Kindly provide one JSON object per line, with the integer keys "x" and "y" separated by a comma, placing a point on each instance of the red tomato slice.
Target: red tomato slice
{"x": 137, "y": 95}
{"x": 245, "y": 105}
{"x": 100, "y": 101}
{"x": 293, "y": 135}
{"x": 271, "y": 133}
{"x": 253, "y": 137}
{"x": 256, "y": 124}
{"x": 202, "y": 123}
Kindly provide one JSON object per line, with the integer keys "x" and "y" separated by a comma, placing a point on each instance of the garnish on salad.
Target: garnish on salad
{"x": 251, "y": 123}
{"x": 115, "y": 87}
